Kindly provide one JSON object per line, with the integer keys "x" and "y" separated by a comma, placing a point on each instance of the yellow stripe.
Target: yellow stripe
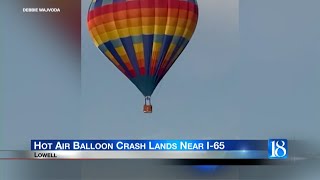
{"x": 169, "y": 53}
{"x": 189, "y": 29}
{"x": 136, "y": 31}
{"x": 138, "y": 47}
{"x": 123, "y": 30}
{"x": 111, "y": 58}
{"x": 148, "y": 29}
{"x": 126, "y": 60}
{"x": 94, "y": 40}
{"x": 140, "y": 55}
{"x": 156, "y": 45}
{"x": 189, "y": 34}
{"x": 159, "y": 29}
{"x": 104, "y": 38}
{"x": 113, "y": 35}
{"x": 123, "y": 54}
{"x": 171, "y": 21}
{"x": 96, "y": 36}
{"x": 134, "y": 22}
{"x": 155, "y": 53}
{"x": 179, "y": 31}
{"x": 121, "y": 51}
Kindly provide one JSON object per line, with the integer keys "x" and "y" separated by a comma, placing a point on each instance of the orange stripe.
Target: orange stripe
{"x": 136, "y": 22}
{"x": 121, "y": 15}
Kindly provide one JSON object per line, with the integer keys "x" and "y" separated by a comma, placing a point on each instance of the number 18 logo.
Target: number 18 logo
{"x": 278, "y": 149}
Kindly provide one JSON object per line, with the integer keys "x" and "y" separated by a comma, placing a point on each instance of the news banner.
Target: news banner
{"x": 153, "y": 149}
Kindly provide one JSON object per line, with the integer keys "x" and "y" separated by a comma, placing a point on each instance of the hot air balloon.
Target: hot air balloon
{"x": 142, "y": 38}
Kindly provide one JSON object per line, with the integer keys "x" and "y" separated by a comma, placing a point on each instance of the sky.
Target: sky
{"x": 183, "y": 96}
{"x": 248, "y": 65}
{"x": 251, "y": 71}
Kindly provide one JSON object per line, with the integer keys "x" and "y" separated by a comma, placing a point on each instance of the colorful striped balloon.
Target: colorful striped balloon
{"x": 142, "y": 38}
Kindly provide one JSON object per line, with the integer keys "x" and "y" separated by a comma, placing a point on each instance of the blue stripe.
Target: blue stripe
{"x": 150, "y": 38}
{"x": 98, "y": 3}
{"x": 176, "y": 49}
{"x": 182, "y": 44}
{"x": 164, "y": 49}
{"x": 113, "y": 51}
{"x": 119, "y": 1}
{"x": 147, "y": 46}
{"x": 128, "y": 46}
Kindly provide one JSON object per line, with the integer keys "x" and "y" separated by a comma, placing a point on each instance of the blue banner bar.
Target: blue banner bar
{"x": 150, "y": 145}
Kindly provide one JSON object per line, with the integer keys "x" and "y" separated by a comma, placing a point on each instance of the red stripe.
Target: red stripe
{"x": 112, "y": 8}
{"x": 123, "y": 71}
{"x": 161, "y": 71}
{"x": 142, "y": 71}
{"x": 133, "y": 73}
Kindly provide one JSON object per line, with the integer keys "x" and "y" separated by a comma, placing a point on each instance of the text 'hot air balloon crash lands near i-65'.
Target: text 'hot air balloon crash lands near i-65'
{"x": 142, "y": 38}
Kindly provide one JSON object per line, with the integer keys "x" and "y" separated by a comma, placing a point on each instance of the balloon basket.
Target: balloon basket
{"x": 147, "y": 108}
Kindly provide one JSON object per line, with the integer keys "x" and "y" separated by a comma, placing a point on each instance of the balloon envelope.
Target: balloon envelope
{"x": 142, "y": 38}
